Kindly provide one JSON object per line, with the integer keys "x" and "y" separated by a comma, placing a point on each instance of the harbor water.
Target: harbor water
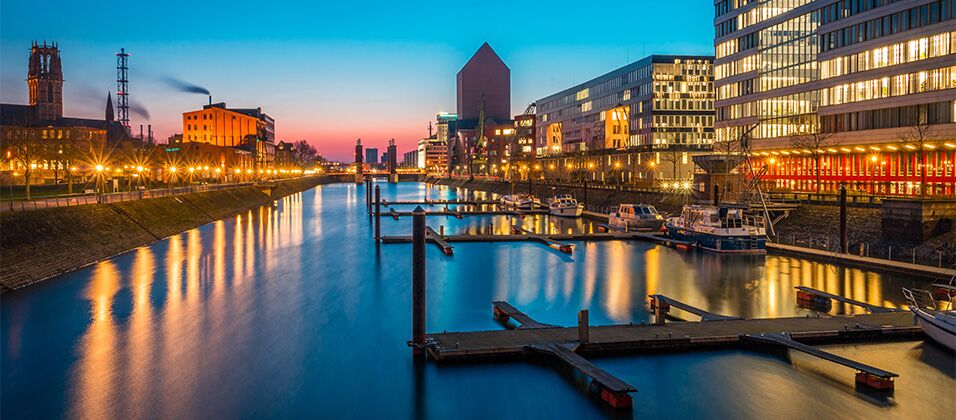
{"x": 292, "y": 311}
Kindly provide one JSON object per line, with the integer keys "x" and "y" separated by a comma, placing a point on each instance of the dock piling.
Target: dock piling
{"x": 583, "y": 326}
{"x": 418, "y": 284}
{"x": 843, "y": 240}
{"x": 378, "y": 214}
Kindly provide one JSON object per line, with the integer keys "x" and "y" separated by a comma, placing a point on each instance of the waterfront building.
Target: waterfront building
{"x": 853, "y": 91}
{"x": 432, "y": 155}
{"x": 246, "y": 128}
{"x": 371, "y": 156}
{"x": 285, "y": 155}
{"x": 658, "y": 109}
{"x": 410, "y": 159}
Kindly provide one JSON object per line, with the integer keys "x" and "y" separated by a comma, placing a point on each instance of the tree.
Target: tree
{"x": 674, "y": 157}
{"x": 303, "y": 153}
{"x": 812, "y": 142}
{"x": 918, "y": 137}
{"x": 24, "y": 151}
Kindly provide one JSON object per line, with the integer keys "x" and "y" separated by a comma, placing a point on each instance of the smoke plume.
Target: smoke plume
{"x": 185, "y": 86}
{"x": 139, "y": 110}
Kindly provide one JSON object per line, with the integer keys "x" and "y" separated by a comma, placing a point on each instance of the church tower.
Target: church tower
{"x": 45, "y": 81}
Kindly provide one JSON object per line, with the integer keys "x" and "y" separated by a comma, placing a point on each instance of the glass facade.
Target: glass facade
{"x": 804, "y": 66}
{"x": 653, "y": 103}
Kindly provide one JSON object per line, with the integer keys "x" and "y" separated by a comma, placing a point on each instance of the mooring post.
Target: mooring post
{"x": 585, "y": 200}
{"x": 378, "y": 214}
{"x": 843, "y": 241}
{"x": 368, "y": 196}
{"x": 583, "y": 326}
{"x": 418, "y": 284}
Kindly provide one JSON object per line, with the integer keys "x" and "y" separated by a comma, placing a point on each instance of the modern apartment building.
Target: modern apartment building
{"x": 658, "y": 102}
{"x": 856, "y": 92}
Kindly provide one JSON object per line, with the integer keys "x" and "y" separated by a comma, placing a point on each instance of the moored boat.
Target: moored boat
{"x": 565, "y": 205}
{"x": 636, "y": 217}
{"x": 520, "y": 201}
{"x": 938, "y": 324}
{"x": 721, "y": 229}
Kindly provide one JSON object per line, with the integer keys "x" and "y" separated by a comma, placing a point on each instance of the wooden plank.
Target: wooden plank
{"x": 870, "y": 307}
{"x": 704, "y": 315}
{"x": 584, "y": 366}
{"x": 784, "y": 340}
{"x": 520, "y": 317}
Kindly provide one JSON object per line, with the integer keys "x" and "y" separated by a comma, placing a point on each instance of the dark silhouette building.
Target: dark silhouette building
{"x": 484, "y": 77}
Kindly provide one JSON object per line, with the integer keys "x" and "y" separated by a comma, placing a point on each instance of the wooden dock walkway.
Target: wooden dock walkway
{"x": 571, "y": 344}
{"x": 550, "y": 242}
{"x": 438, "y": 240}
{"x": 504, "y": 311}
{"x": 438, "y": 202}
{"x": 520, "y": 238}
{"x": 674, "y": 336}
{"x": 461, "y": 213}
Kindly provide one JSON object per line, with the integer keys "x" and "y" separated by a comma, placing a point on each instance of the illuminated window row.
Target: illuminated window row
{"x": 726, "y": 6}
{"x": 771, "y": 8}
{"x": 846, "y": 8}
{"x": 788, "y": 105}
{"x": 726, "y": 48}
{"x": 903, "y": 116}
{"x": 785, "y": 126}
{"x": 789, "y": 31}
{"x": 917, "y": 17}
{"x": 742, "y": 65}
{"x": 790, "y": 76}
{"x": 904, "y": 84}
{"x": 890, "y": 55}
{"x": 732, "y": 112}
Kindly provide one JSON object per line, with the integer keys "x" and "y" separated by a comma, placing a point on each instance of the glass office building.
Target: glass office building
{"x": 875, "y": 77}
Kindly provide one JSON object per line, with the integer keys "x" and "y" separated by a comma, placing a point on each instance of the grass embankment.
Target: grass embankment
{"x": 39, "y": 244}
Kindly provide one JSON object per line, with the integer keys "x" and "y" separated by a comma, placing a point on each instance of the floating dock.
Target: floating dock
{"x": 571, "y": 344}
{"x": 439, "y": 202}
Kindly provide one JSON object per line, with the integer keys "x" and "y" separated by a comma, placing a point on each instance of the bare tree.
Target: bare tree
{"x": 918, "y": 137}
{"x": 812, "y": 141}
{"x": 673, "y": 156}
{"x": 304, "y": 153}
{"x": 24, "y": 151}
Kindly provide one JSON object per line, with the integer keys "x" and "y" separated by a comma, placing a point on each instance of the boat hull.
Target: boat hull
{"x": 576, "y": 211}
{"x": 725, "y": 244}
{"x": 936, "y": 329}
{"x": 636, "y": 225}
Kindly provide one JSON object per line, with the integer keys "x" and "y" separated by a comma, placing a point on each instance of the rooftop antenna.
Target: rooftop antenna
{"x": 122, "y": 88}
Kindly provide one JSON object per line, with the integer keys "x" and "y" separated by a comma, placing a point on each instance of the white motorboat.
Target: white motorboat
{"x": 565, "y": 205}
{"x": 938, "y": 323}
{"x": 636, "y": 217}
{"x": 520, "y": 201}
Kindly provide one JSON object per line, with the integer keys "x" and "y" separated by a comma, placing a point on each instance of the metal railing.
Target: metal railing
{"x": 866, "y": 249}
{"x": 83, "y": 199}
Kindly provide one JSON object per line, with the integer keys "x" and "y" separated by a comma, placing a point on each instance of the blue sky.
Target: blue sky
{"x": 333, "y": 72}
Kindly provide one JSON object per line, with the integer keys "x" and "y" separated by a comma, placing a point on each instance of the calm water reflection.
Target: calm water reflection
{"x": 289, "y": 311}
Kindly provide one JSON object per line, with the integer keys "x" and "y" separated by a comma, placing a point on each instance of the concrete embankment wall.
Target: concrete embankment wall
{"x": 36, "y": 245}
